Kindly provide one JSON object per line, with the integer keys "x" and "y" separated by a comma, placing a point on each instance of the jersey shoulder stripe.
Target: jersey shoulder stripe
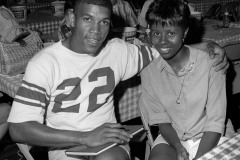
{"x": 29, "y": 103}
{"x": 147, "y": 56}
{"x": 34, "y": 94}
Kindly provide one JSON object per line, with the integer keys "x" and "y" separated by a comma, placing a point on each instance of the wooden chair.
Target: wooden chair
{"x": 149, "y": 142}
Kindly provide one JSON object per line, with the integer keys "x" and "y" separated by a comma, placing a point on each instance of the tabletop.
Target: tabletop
{"x": 222, "y": 36}
{"x": 43, "y": 20}
{"x": 228, "y": 150}
{"x": 205, "y": 5}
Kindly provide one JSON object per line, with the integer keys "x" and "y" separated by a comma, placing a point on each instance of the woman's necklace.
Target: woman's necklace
{"x": 189, "y": 69}
{"x": 179, "y": 95}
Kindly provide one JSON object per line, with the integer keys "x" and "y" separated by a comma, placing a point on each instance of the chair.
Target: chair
{"x": 25, "y": 150}
{"x": 126, "y": 97}
{"x": 149, "y": 142}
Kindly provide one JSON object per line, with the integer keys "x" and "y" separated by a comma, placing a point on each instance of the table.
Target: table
{"x": 204, "y": 5}
{"x": 223, "y": 36}
{"x": 42, "y": 20}
{"x": 33, "y": 6}
{"x": 228, "y": 150}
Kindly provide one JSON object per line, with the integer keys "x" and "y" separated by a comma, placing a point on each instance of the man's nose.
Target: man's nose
{"x": 95, "y": 29}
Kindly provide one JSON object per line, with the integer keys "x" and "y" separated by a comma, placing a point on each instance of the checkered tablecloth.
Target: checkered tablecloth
{"x": 32, "y": 7}
{"x": 47, "y": 23}
{"x": 126, "y": 97}
{"x": 204, "y": 5}
{"x": 223, "y": 36}
{"x": 228, "y": 150}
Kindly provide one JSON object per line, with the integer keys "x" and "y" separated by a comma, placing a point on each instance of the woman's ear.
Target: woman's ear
{"x": 186, "y": 32}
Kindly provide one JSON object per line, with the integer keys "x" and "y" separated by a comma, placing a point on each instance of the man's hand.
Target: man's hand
{"x": 109, "y": 132}
{"x": 215, "y": 50}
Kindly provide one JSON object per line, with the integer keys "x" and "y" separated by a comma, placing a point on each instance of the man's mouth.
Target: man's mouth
{"x": 93, "y": 42}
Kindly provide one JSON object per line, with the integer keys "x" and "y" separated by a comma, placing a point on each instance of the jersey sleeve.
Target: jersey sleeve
{"x": 31, "y": 99}
{"x": 134, "y": 58}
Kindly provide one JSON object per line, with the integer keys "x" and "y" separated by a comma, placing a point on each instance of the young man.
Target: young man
{"x": 70, "y": 84}
{"x": 123, "y": 16}
{"x": 190, "y": 108}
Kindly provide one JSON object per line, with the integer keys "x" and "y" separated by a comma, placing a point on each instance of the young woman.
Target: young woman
{"x": 190, "y": 107}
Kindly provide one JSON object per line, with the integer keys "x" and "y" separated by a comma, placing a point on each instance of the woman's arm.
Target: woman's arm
{"x": 215, "y": 113}
{"x": 208, "y": 141}
{"x": 170, "y": 135}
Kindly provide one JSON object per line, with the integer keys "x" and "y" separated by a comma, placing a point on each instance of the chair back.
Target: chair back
{"x": 25, "y": 149}
{"x": 126, "y": 97}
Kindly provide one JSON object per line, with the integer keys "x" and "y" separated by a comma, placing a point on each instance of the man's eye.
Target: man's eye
{"x": 86, "y": 19}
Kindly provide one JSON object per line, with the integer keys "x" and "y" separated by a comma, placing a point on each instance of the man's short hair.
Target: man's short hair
{"x": 102, "y": 3}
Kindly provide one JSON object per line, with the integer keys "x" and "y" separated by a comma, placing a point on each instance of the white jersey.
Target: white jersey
{"x": 76, "y": 89}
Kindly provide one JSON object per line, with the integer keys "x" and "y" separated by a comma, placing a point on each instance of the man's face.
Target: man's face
{"x": 92, "y": 25}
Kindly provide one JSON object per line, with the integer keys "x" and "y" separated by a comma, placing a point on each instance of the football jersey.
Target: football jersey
{"x": 74, "y": 90}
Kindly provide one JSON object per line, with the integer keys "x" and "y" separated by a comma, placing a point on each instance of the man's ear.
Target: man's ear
{"x": 70, "y": 18}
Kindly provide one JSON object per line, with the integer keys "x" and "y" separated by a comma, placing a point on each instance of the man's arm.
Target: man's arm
{"x": 215, "y": 50}
{"x": 38, "y": 134}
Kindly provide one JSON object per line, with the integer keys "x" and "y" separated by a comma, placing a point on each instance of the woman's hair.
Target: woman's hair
{"x": 102, "y": 3}
{"x": 168, "y": 12}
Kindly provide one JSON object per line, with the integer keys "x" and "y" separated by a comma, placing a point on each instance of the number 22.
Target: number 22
{"x": 76, "y": 92}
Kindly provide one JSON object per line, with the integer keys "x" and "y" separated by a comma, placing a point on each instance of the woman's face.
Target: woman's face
{"x": 168, "y": 40}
